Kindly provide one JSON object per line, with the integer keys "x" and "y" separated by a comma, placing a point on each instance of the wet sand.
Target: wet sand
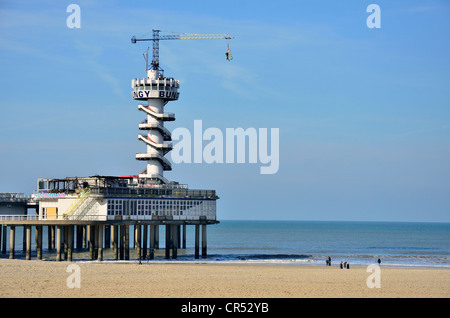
{"x": 21, "y": 278}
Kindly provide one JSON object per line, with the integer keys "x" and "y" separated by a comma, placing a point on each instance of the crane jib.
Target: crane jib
{"x": 184, "y": 37}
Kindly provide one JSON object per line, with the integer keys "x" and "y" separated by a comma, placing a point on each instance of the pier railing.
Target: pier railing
{"x": 19, "y": 217}
{"x": 178, "y": 191}
{"x": 13, "y": 198}
{"x": 153, "y": 192}
{"x": 31, "y": 217}
{"x": 96, "y": 217}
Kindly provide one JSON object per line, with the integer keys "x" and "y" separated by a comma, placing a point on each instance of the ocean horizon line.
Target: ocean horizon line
{"x": 350, "y": 221}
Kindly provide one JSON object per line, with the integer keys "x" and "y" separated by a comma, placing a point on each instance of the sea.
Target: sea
{"x": 312, "y": 242}
{"x": 302, "y": 243}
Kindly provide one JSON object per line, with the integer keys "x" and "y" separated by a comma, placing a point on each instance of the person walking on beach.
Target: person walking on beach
{"x": 341, "y": 265}
{"x": 379, "y": 261}
{"x": 348, "y": 265}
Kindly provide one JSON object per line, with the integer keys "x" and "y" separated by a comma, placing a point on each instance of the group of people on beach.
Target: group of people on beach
{"x": 142, "y": 257}
{"x": 343, "y": 265}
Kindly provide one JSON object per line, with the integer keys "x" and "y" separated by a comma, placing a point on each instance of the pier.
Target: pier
{"x": 105, "y": 218}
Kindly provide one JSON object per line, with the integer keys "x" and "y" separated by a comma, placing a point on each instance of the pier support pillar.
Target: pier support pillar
{"x": 184, "y": 236}
{"x": 134, "y": 235}
{"x": 24, "y": 238}
{"x": 94, "y": 229}
{"x": 53, "y": 237}
{"x": 69, "y": 230}
{"x": 58, "y": 243}
{"x": 144, "y": 241}
{"x": 107, "y": 230}
{"x": 114, "y": 236}
{"x": 49, "y": 237}
{"x": 178, "y": 229}
{"x": 168, "y": 239}
{"x": 91, "y": 243}
{"x": 157, "y": 237}
{"x": 79, "y": 237}
{"x": 4, "y": 239}
{"x": 12, "y": 236}
{"x": 65, "y": 239}
{"x": 138, "y": 240}
{"x": 152, "y": 241}
{"x": 197, "y": 238}
{"x": 36, "y": 234}
{"x": 153, "y": 236}
{"x": 100, "y": 242}
{"x": 204, "y": 240}
{"x": 40, "y": 229}
{"x": 175, "y": 240}
{"x": 84, "y": 236}
{"x": 28, "y": 242}
{"x": 121, "y": 242}
{"x": 126, "y": 242}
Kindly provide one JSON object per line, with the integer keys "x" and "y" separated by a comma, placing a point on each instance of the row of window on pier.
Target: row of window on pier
{"x": 161, "y": 207}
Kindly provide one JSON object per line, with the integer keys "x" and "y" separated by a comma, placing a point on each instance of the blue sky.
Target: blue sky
{"x": 364, "y": 114}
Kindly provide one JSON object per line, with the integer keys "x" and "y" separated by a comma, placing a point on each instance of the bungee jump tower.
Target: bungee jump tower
{"x": 96, "y": 212}
{"x": 156, "y": 90}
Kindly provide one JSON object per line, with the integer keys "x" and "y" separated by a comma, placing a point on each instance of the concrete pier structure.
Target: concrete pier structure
{"x": 66, "y": 234}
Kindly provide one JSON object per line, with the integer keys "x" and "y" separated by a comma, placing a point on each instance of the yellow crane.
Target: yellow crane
{"x": 182, "y": 36}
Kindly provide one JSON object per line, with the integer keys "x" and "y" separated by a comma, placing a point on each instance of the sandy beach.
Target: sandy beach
{"x": 20, "y": 278}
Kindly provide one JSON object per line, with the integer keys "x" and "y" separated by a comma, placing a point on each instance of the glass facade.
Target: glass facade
{"x": 161, "y": 207}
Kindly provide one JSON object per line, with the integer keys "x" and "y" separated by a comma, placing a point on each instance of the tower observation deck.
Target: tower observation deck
{"x": 155, "y": 91}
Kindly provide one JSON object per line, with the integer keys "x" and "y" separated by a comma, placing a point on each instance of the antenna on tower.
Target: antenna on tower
{"x": 146, "y": 60}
